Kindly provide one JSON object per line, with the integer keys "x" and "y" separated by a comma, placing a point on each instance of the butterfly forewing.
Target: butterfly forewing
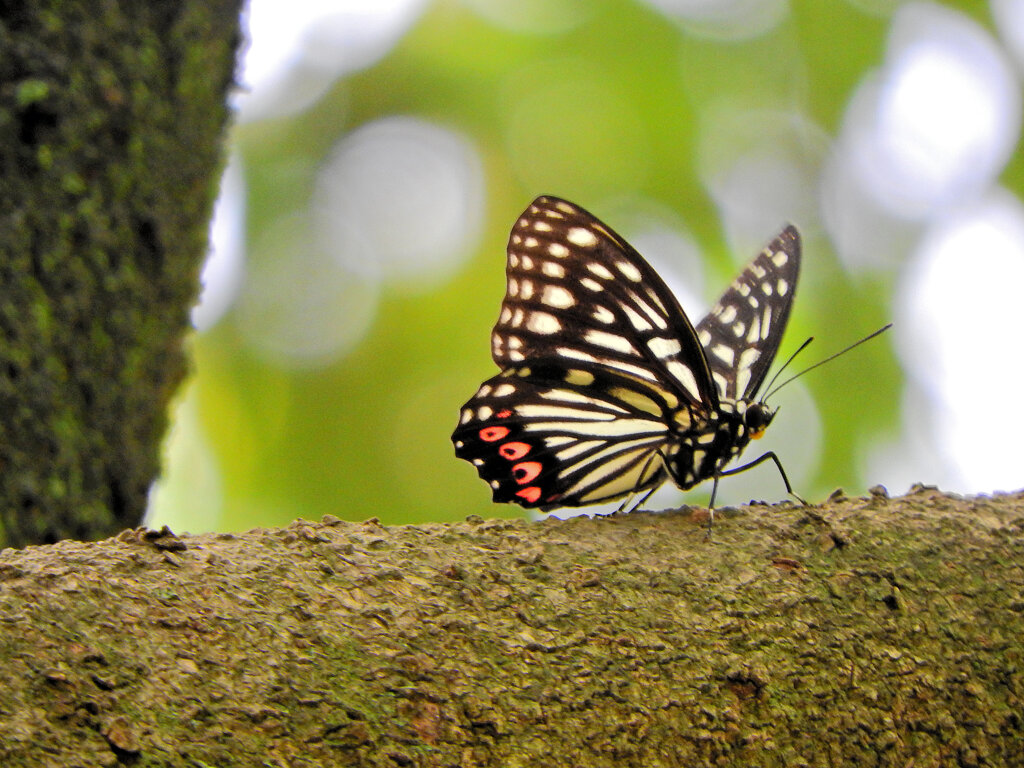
{"x": 578, "y": 292}
{"x": 741, "y": 334}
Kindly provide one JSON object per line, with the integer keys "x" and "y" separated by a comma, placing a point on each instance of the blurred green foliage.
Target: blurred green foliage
{"x": 612, "y": 107}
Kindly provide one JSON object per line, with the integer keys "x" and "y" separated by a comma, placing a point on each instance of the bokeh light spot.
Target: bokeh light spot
{"x": 401, "y": 200}
{"x": 762, "y": 169}
{"x": 724, "y": 19}
{"x": 1008, "y": 16}
{"x": 959, "y": 337}
{"x": 296, "y": 50}
{"x": 547, "y": 17}
{"x": 221, "y": 277}
{"x": 942, "y": 117}
{"x": 300, "y": 307}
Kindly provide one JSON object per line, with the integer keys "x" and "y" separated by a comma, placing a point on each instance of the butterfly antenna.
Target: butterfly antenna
{"x": 785, "y": 365}
{"x": 831, "y": 357}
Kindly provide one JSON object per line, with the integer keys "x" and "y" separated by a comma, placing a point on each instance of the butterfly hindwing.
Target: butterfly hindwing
{"x": 556, "y": 436}
{"x": 577, "y": 291}
{"x": 742, "y": 332}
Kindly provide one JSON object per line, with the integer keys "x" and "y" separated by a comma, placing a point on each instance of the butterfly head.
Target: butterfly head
{"x": 757, "y": 418}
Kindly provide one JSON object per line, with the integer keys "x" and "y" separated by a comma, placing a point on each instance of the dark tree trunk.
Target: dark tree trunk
{"x": 865, "y": 632}
{"x": 112, "y": 116}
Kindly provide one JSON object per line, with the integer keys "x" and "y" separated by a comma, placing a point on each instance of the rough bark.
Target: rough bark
{"x": 868, "y": 632}
{"x": 111, "y": 121}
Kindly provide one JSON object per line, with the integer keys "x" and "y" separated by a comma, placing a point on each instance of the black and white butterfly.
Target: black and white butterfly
{"x": 606, "y": 389}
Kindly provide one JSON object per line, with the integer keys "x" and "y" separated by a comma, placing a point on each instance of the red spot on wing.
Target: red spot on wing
{"x": 531, "y": 494}
{"x": 513, "y": 451}
{"x": 503, "y": 414}
{"x": 525, "y": 471}
{"x": 490, "y": 434}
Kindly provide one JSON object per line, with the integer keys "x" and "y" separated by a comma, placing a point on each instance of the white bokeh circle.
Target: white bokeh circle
{"x": 401, "y": 200}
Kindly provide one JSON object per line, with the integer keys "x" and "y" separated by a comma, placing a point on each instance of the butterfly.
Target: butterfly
{"x": 606, "y": 389}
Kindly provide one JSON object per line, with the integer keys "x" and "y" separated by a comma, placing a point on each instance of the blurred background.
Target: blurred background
{"x": 384, "y": 148}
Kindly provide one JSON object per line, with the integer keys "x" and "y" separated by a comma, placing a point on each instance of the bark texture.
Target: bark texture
{"x": 867, "y": 632}
{"x": 111, "y": 120}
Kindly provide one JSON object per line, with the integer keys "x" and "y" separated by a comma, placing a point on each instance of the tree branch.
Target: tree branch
{"x": 866, "y": 631}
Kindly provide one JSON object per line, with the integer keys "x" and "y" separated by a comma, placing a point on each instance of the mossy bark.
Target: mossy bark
{"x": 868, "y": 632}
{"x": 111, "y": 124}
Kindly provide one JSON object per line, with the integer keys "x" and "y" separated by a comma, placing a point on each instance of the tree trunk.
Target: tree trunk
{"x": 864, "y": 632}
{"x": 111, "y": 122}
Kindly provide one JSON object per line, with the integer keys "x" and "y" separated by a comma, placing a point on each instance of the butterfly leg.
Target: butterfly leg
{"x": 750, "y": 465}
{"x": 653, "y": 488}
{"x": 636, "y": 506}
{"x": 681, "y": 482}
{"x": 711, "y": 505}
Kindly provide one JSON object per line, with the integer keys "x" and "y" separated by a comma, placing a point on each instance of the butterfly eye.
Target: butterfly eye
{"x": 757, "y": 419}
